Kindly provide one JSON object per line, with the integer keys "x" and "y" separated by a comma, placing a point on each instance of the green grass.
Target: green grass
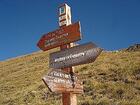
{"x": 113, "y": 79}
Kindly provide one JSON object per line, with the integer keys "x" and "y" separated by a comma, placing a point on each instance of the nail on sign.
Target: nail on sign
{"x": 60, "y": 82}
{"x": 77, "y": 55}
{"x": 60, "y": 37}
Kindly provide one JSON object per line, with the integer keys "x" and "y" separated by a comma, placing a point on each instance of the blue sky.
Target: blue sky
{"x": 111, "y": 24}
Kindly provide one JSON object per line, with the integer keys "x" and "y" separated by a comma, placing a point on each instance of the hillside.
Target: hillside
{"x": 135, "y": 47}
{"x": 113, "y": 79}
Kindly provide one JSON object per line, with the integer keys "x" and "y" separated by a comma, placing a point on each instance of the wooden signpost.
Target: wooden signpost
{"x": 61, "y": 78}
{"x": 62, "y": 82}
{"x": 60, "y": 37}
{"x": 64, "y": 11}
{"x": 77, "y": 55}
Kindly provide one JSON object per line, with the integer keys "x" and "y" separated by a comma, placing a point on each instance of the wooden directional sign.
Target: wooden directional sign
{"x": 77, "y": 55}
{"x": 60, "y": 37}
{"x": 62, "y": 82}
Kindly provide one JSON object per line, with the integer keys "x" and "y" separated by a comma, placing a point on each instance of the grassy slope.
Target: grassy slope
{"x": 113, "y": 79}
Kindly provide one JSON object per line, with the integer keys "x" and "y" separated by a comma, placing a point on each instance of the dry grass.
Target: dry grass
{"x": 113, "y": 79}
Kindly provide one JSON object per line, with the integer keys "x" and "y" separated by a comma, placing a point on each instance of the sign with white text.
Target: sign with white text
{"x": 60, "y": 37}
{"x": 77, "y": 55}
{"x": 63, "y": 82}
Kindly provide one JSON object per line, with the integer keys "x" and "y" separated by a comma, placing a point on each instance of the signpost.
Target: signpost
{"x": 60, "y": 37}
{"x": 64, "y": 11}
{"x": 61, "y": 78}
{"x": 77, "y": 55}
{"x": 62, "y": 82}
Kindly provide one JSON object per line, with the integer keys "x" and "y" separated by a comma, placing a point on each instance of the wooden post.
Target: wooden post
{"x": 64, "y": 20}
{"x": 68, "y": 98}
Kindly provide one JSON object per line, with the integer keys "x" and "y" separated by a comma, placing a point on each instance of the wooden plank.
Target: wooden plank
{"x": 60, "y": 37}
{"x": 77, "y": 55}
{"x": 61, "y": 82}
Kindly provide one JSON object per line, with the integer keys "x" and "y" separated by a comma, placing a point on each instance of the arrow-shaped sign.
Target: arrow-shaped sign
{"x": 62, "y": 82}
{"x": 60, "y": 37}
{"x": 77, "y": 55}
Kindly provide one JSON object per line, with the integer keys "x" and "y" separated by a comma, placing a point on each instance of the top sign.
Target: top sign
{"x": 64, "y": 15}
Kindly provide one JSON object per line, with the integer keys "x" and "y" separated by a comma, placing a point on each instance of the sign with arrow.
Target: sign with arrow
{"x": 60, "y": 37}
{"x": 63, "y": 82}
{"x": 77, "y": 55}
